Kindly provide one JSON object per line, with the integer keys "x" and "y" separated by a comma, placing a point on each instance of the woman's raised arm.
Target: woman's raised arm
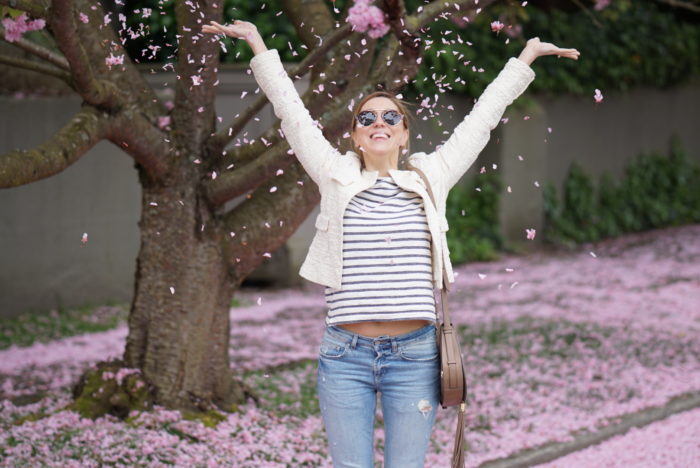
{"x": 471, "y": 135}
{"x": 300, "y": 130}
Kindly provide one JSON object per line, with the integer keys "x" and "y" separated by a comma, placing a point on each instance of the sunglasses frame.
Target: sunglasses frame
{"x": 383, "y": 113}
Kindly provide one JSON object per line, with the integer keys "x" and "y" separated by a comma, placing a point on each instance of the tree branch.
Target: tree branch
{"x": 243, "y": 154}
{"x": 39, "y": 51}
{"x": 436, "y": 8}
{"x": 36, "y": 67}
{"x": 66, "y": 146}
{"x": 36, "y": 8}
{"x": 681, "y": 4}
{"x": 216, "y": 143}
{"x": 310, "y": 18}
{"x": 198, "y": 56}
{"x": 283, "y": 211}
{"x": 405, "y": 59}
{"x": 141, "y": 139}
{"x": 75, "y": 41}
{"x": 236, "y": 182}
{"x": 588, "y": 13}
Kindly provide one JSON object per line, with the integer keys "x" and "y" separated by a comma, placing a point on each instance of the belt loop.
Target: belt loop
{"x": 394, "y": 346}
{"x": 353, "y": 344}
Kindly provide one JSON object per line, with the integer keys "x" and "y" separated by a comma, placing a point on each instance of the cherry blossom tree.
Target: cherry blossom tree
{"x": 195, "y": 253}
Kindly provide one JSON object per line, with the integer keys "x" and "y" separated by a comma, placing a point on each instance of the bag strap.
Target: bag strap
{"x": 458, "y": 449}
{"x": 445, "y": 287}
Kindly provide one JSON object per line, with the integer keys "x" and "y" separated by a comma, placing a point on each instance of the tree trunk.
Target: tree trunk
{"x": 179, "y": 317}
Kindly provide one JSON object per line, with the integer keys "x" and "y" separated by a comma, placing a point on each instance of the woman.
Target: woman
{"x": 379, "y": 249}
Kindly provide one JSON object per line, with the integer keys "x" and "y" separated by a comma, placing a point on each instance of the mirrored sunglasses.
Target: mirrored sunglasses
{"x": 367, "y": 118}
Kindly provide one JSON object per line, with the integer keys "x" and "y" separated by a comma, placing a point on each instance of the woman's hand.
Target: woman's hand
{"x": 238, "y": 30}
{"x": 535, "y": 48}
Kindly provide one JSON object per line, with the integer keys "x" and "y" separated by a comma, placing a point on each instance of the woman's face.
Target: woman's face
{"x": 380, "y": 139}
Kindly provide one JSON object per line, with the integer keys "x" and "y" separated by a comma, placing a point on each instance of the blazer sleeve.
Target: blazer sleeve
{"x": 469, "y": 138}
{"x": 304, "y": 137}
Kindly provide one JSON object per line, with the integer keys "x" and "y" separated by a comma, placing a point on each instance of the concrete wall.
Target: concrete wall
{"x": 44, "y": 264}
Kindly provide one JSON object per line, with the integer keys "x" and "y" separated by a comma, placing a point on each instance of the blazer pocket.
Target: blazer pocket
{"x": 321, "y": 222}
{"x": 344, "y": 177}
{"x": 443, "y": 223}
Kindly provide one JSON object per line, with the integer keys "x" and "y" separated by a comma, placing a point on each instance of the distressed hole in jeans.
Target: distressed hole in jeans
{"x": 424, "y": 407}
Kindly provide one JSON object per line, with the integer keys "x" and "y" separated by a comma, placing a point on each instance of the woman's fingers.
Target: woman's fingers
{"x": 216, "y": 28}
{"x": 570, "y": 53}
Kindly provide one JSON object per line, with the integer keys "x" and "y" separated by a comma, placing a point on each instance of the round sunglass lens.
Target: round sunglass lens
{"x": 392, "y": 117}
{"x": 366, "y": 118}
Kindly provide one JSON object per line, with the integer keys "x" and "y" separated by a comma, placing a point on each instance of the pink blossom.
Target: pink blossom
{"x": 496, "y": 26}
{"x": 114, "y": 60}
{"x": 163, "y": 121}
{"x": 84, "y": 18}
{"x": 601, "y": 4}
{"x": 365, "y": 17}
{"x": 14, "y": 28}
{"x": 598, "y": 96}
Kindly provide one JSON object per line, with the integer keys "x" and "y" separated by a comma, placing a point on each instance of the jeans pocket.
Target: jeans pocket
{"x": 332, "y": 347}
{"x": 419, "y": 350}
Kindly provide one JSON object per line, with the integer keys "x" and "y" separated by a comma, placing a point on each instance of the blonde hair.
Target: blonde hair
{"x": 402, "y": 106}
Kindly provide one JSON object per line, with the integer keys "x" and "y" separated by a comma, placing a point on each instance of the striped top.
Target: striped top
{"x": 387, "y": 268}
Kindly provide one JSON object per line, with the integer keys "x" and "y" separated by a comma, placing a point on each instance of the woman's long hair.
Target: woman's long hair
{"x": 402, "y": 106}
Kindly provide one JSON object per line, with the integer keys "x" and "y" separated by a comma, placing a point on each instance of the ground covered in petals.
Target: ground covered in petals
{"x": 554, "y": 343}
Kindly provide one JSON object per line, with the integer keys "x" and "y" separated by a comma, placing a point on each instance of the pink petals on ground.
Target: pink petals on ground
{"x": 579, "y": 342}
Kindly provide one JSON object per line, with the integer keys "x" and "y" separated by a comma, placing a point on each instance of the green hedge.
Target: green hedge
{"x": 473, "y": 219}
{"x": 655, "y": 191}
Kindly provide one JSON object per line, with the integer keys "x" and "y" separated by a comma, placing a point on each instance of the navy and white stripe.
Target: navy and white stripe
{"x": 387, "y": 269}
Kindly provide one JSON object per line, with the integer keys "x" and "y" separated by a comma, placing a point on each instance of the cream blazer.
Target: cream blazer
{"x": 339, "y": 176}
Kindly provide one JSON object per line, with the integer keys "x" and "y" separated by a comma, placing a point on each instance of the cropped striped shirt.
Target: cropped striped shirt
{"x": 387, "y": 269}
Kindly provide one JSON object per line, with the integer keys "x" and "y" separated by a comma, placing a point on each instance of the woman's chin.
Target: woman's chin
{"x": 382, "y": 145}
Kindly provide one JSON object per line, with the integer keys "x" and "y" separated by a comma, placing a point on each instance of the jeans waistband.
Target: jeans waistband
{"x": 369, "y": 340}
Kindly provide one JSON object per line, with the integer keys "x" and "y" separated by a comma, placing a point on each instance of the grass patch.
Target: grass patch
{"x": 287, "y": 390}
{"x": 42, "y": 326}
{"x": 36, "y": 326}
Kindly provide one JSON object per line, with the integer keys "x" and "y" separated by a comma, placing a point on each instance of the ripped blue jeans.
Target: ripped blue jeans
{"x": 405, "y": 369}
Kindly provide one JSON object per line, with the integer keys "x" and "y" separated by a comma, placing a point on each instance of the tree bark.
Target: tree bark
{"x": 179, "y": 318}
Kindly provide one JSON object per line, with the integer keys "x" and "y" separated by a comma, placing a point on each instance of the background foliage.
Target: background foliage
{"x": 473, "y": 219}
{"x": 627, "y": 44}
{"x": 655, "y": 191}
